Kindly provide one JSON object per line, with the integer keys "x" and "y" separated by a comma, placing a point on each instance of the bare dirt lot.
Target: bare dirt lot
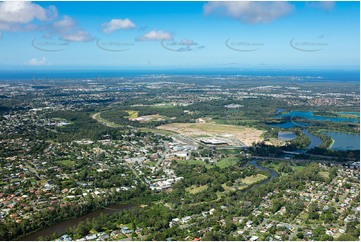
{"x": 195, "y": 130}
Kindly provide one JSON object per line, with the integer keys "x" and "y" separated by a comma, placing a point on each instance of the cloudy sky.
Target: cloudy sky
{"x": 120, "y": 35}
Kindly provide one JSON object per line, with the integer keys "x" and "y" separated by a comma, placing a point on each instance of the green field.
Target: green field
{"x": 241, "y": 187}
{"x": 194, "y": 189}
{"x": 66, "y": 162}
{"x": 227, "y": 162}
{"x": 276, "y": 166}
{"x": 324, "y": 174}
{"x": 273, "y": 166}
{"x": 227, "y": 188}
{"x": 163, "y": 106}
{"x": 194, "y": 162}
{"x": 298, "y": 168}
{"x": 151, "y": 163}
{"x": 131, "y": 114}
{"x": 230, "y": 151}
{"x": 105, "y": 122}
{"x": 249, "y": 180}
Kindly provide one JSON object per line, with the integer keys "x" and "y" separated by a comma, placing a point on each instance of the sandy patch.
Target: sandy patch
{"x": 244, "y": 134}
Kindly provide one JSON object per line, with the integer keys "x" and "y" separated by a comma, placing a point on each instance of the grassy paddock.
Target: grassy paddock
{"x": 131, "y": 114}
{"x": 194, "y": 189}
{"x": 66, "y": 162}
{"x": 249, "y": 180}
{"x": 227, "y": 162}
{"x": 194, "y": 162}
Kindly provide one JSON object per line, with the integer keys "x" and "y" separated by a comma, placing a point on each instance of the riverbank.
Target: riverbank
{"x": 61, "y": 228}
{"x": 273, "y": 174}
{"x": 332, "y": 143}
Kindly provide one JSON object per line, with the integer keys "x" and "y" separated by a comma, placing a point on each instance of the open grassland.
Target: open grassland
{"x": 194, "y": 189}
{"x": 194, "y": 162}
{"x": 249, "y": 180}
{"x": 66, "y": 162}
{"x": 276, "y": 166}
{"x": 227, "y": 188}
{"x": 244, "y": 134}
{"x": 162, "y": 105}
{"x": 151, "y": 163}
{"x": 227, "y": 162}
{"x": 105, "y": 122}
{"x": 230, "y": 151}
{"x": 131, "y": 114}
{"x": 324, "y": 174}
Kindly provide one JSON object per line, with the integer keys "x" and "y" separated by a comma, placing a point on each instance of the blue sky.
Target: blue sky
{"x": 122, "y": 35}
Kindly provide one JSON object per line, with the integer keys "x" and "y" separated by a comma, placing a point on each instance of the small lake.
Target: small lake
{"x": 344, "y": 141}
{"x": 61, "y": 227}
{"x": 280, "y": 110}
{"x": 286, "y": 135}
{"x": 311, "y": 116}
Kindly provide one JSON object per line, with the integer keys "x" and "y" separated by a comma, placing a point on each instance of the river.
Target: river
{"x": 315, "y": 141}
{"x": 273, "y": 174}
{"x": 60, "y": 228}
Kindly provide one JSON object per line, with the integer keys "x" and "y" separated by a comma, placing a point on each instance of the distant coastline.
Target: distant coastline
{"x": 310, "y": 75}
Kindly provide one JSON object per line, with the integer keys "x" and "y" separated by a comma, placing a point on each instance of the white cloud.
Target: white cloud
{"x": 116, "y": 24}
{"x": 156, "y": 35}
{"x": 77, "y": 36}
{"x": 22, "y": 16}
{"x": 68, "y": 30}
{"x": 250, "y": 12}
{"x": 35, "y": 62}
{"x": 66, "y": 23}
{"x": 325, "y": 5}
{"x": 13, "y": 15}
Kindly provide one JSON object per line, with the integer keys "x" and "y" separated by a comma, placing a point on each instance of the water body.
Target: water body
{"x": 311, "y": 116}
{"x": 254, "y": 163}
{"x": 288, "y": 124}
{"x": 280, "y": 110}
{"x": 344, "y": 141}
{"x": 315, "y": 141}
{"x": 61, "y": 228}
{"x": 272, "y": 172}
{"x": 312, "y": 75}
{"x": 286, "y": 135}
{"x": 352, "y": 113}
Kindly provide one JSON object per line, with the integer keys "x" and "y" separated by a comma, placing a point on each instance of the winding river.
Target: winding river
{"x": 60, "y": 228}
{"x": 273, "y": 174}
